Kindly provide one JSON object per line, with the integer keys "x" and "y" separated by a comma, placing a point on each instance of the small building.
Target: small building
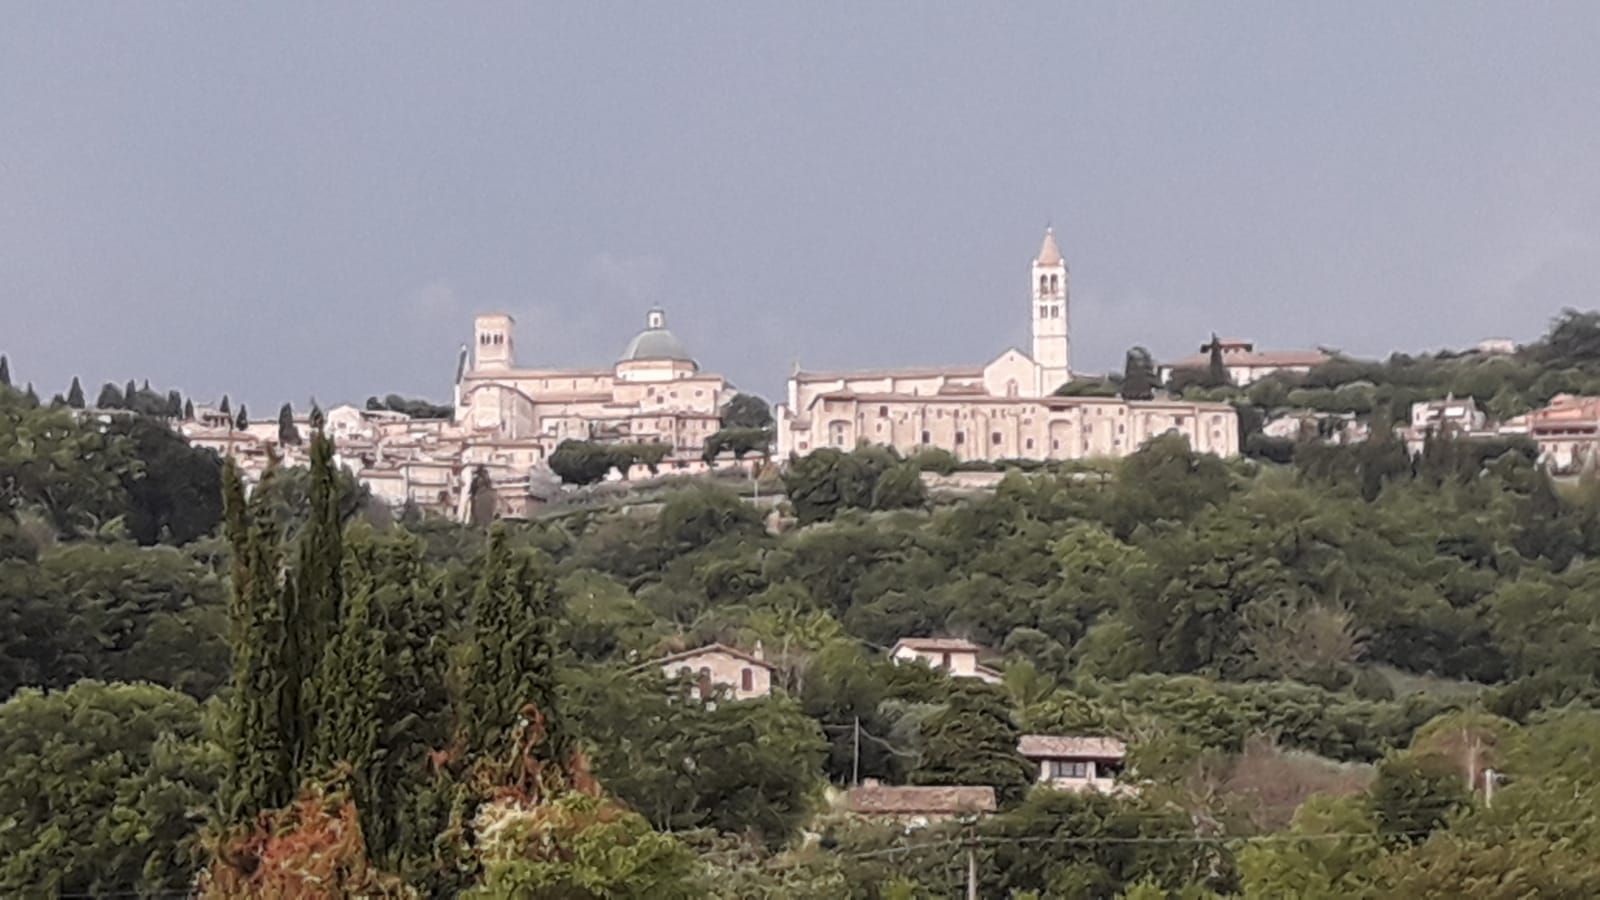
{"x": 1246, "y": 364}
{"x": 747, "y": 676}
{"x": 1448, "y": 415}
{"x": 955, "y": 656}
{"x": 919, "y": 805}
{"x": 1076, "y": 763}
{"x": 1567, "y": 432}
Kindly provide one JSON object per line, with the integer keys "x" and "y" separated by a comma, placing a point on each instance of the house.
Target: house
{"x": 746, "y": 675}
{"x": 1246, "y": 364}
{"x": 917, "y": 805}
{"x": 1076, "y": 763}
{"x": 1567, "y": 432}
{"x": 956, "y": 656}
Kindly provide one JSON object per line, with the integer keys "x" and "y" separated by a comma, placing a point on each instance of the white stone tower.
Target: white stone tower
{"x": 1052, "y": 338}
{"x": 492, "y": 350}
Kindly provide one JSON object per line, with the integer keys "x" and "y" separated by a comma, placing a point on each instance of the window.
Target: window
{"x": 926, "y": 438}
{"x": 1068, "y": 768}
{"x": 1055, "y": 444}
{"x": 883, "y": 411}
{"x": 995, "y": 438}
{"x": 1029, "y": 443}
{"x": 747, "y": 680}
{"x": 961, "y": 437}
{"x": 945, "y": 661}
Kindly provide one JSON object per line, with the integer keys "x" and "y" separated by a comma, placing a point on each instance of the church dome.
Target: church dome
{"x": 655, "y": 341}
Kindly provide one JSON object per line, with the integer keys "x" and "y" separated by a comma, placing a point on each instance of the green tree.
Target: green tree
{"x": 288, "y": 432}
{"x": 747, "y": 411}
{"x": 481, "y": 498}
{"x": 581, "y": 462}
{"x": 582, "y": 848}
{"x": 224, "y": 406}
{"x": 110, "y": 397}
{"x": 97, "y": 786}
{"x": 1216, "y": 367}
{"x": 188, "y": 410}
{"x": 242, "y": 420}
{"x": 175, "y": 493}
{"x": 511, "y": 670}
{"x": 75, "y": 394}
{"x": 1138, "y": 375}
{"x": 1414, "y": 796}
{"x": 973, "y": 741}
{"x": 5, "y": 371}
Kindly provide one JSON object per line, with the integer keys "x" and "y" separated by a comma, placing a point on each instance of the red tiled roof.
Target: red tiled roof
{"x": 1047, "y": 746}
{"x": 907, "y": 801}
{"x": 1251, "y": 358}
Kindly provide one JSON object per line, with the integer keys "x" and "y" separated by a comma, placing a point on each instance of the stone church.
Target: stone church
{"x": 1002, "y": 410}
{"x": 654, "y": 393}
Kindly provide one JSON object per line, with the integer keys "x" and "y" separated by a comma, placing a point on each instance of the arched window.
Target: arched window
{"x": 1011, "y": 388}
{"x": 1044, "y": 283}
{"x": 1055, "y": 284}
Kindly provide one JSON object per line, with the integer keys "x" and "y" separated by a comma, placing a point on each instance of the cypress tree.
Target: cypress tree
{"x": 188, "y": 410}
{"x": 316, "y": 416}
{"x": 5, "y": 371}
{"x": 1217, "y": 369}
{"x": 511, "y": 693}
{"x": 174, "y": 405}
{"x": 313, "y": 601}
{"x": 110, "y": 397}
{"x": 31, "y": 396}
{"x": 287, "y": 432}
{"x": 349, "y": 677}
{"x": 75, "y": 394}
{"x": 242, "y": 421}
{"x": 130, "y": 392}
{"x": 223, "y": 407}
{"x": 1138, "y": 375}
{"x": 260, "y": 773}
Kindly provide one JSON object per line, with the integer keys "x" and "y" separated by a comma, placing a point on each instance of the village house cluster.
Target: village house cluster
{"x": 1062, "y": 762}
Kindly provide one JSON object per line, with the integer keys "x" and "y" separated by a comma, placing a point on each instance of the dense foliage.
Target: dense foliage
{"x": 1316, "y": 665}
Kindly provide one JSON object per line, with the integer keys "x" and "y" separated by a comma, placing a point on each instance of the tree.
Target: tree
{"x": 31, "y": 396}
{"x": 188, "y": 410}
{"x": 223, "y": 407}
{"x": 1138, "y": 375}
{"x": 259, "y": 742}
{"x": 577, "y": 846}
{"x": 973, "y": 740}
{"x": 511, "y": 675}
{"x": 1216, "y": 368}
{"x": 315, "y": 418}
{"x": 5, "y": 371}
{"x": 97, "y": 783}
{"x": 747, "y": 411}
{"x": 75, "y": 394}
{"x": 110, "y": 397}
{"x": 581, "y": 462}
{"x": 242, "y": 420}
{"x": 288, "y": 433}
{"x": 1414, "y": 796}
{"x": 481, "y": 498}
{"x": 174, "y": 405}
{"x": 130, "y": 393}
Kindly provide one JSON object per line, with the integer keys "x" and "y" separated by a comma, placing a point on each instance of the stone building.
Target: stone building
{"x": 1245, "y": 364}
{"x": 1005, "y": 409}
{"x": 654, "y": 393}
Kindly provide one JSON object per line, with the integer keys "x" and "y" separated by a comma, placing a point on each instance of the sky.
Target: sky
{"x": 296, "y": 200}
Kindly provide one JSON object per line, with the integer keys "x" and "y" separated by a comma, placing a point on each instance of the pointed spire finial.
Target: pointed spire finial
{"x": 1049, "y": 252}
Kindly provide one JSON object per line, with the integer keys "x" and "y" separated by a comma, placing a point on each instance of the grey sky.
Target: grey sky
{"x": 313, "y": 199}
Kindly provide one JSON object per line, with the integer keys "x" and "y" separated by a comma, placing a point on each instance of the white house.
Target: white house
{"x": 746, "y": 675}
{"x": 1076, "y": 763}
{"x": 955, "y": 656}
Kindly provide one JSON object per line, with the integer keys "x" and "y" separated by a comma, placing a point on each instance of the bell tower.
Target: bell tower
{"x": 492, "y": 347}
{"x": 1052, "y": 338}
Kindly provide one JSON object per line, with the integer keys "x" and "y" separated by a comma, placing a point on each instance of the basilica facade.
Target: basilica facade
{"x": 1005, "y": 409}
{"x": 654, "y": 393}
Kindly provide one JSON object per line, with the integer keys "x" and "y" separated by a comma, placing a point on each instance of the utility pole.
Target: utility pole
{"x": 855, "y": 756}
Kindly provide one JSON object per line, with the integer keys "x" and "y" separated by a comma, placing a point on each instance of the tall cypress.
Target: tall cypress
{"x": 260, "y": 772}
{"x": 5, "y": 371}
{"x": 75, "y": 394}
{"x": 130, "y": 393}
{"x": 511, "y": 690}
{"x": 110, "y": 397}
{"x": 242, "y": 421}
{"x": 223, "y": 407}
{"x": 188, "y": 410}
{"x": 287, "y": 432}
{"x": 174, "y": 405}
{"x": 313, "y": 601}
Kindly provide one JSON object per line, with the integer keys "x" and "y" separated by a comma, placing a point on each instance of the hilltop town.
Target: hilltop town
{"x": 653, "y": 412}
